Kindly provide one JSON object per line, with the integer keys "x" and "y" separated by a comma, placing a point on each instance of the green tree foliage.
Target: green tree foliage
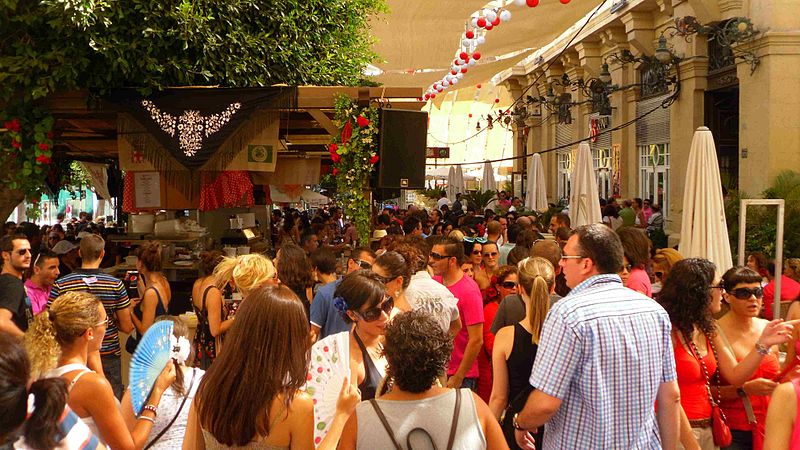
{"x": 52, "y": 45}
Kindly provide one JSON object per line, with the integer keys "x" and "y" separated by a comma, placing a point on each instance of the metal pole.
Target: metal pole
{"x": 742, "y": 230}
{"x": 778, "y": 262}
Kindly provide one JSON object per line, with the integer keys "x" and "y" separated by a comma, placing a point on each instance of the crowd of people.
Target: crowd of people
{"x": 450, "y": 328}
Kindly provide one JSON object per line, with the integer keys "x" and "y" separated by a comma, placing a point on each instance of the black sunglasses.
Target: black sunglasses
{"x": 23, "y": 251}
{"x": 745, "y": 293}
{"x": 658, "y": 274}
{"x": 373, "y": 314}
{"x": 476, "y": 252}
{"x": 508, "y": 284}
{"x": 437, "y": 256}
{"x": 363, "y": 264}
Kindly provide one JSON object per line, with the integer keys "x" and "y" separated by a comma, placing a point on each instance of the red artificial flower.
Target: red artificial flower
{"x": 347, "y": 132}
{"x": 15, "y": 144}
{"x": 333, "y": 148}
{"x": 362, "y": 121}
{"x": 13, "y": 125}
{"x": 50, "y": 135}
{"x": 43, "y": 147}
{"x": 42, "y": 159}
{"x": 336, "y": 158}
{"x": 335, "y": 171}
{"x": 374, "y": 159}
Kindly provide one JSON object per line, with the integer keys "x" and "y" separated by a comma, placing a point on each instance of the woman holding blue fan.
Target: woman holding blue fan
{"x": 59, "y": 344}
{"x": 173, "y": 411}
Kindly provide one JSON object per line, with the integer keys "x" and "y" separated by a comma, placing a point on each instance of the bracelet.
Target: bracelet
{"x": 762, "y": 349}
{"x": 149, "y": 419}
{"x": 151, "y": 408}
{"x": 515, "y": 424}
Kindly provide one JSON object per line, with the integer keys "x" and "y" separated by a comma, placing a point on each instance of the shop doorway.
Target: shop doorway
{"x": 722, "y": 118}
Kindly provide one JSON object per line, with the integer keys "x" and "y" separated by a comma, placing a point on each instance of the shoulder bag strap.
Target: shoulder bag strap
{"x": 385, "y": 423}
{"x": 180, "y": 408}
{"x": 748, "y": 406}
{"x": 694, "y": 352}
{"x": 453, "y": 427}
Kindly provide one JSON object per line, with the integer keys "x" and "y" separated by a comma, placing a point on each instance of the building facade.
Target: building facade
{"x": 747, "y": 91}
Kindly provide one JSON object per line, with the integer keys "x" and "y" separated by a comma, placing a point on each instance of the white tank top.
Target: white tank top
{"x": 60, "y": 372}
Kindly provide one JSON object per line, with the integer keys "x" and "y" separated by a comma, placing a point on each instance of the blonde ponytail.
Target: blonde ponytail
{"x": 70, "y": 315}
{"x": 247, "y": 272}
{"x": 537, "y": 278}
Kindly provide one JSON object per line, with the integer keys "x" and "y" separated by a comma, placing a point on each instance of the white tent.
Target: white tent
{"x": 536, "y": 192}
{"x": 296, "y": 194}
{"x": 584, "y": 201}
{"x": 704, "y": 231}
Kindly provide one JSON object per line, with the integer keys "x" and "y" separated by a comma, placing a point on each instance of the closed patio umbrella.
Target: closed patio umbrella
{"x": 452, "y": 184}
{"x": 704, "y": 231}
{"x": 584, "y": 201}
{"x": 461, "y": 186}
{"x": 488, "y": 183}
{"x": 536, "y": 192}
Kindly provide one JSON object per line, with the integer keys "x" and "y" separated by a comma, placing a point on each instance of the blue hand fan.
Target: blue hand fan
{"x": 148, "y": 361}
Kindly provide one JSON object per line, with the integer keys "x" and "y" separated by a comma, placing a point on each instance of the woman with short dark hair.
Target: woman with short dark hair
{"x": 739, "y": 329}
{"x": 691, "y": 296}
{"x": 418, "y": 412}
{"x": 636, "y": 246}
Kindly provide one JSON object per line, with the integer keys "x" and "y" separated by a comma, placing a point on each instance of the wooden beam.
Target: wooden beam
{"x": 325, "y": 121}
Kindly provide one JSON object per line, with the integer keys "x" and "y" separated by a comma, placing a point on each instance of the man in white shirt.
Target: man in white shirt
{"x": 443, "y": 200}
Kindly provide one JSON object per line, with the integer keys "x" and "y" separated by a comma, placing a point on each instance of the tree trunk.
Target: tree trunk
{"x": 9, "y": 199}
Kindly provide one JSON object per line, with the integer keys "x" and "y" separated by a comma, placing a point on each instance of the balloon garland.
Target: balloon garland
{"x": 467, "y": 55}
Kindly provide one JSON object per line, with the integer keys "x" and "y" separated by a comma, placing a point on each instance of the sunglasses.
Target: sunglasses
{"x": 627, "y": 267}
{"x": 746, "y": 293}
{"x": 363, "y": 264}
{"x": 659, "y": 274}
{"x": 476, "y": 252}
{"x": 373, "y": 314}
{"x": 491, "y": 254}
{"x": 480, "y": 240}
{"x": 438, "y": 257}
{"x": 23, "y": 251}
{"x": 508, "y": 284}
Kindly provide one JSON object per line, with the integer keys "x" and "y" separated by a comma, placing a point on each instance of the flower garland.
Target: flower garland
{"x": 26, "y": 149}
{"x": 354, "y": 156}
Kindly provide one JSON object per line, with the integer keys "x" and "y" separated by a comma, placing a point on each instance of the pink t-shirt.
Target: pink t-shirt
{"x": 470, "y": 308}
{"x": 639, "y": 281}
{"x": 37, "y": 295}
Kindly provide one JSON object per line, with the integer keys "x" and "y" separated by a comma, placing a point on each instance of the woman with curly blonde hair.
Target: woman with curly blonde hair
{"x": 59, "y": 344}
{"x": 246, "y": 273}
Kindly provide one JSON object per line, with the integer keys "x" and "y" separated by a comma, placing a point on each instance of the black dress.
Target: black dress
{"x": 519, "y": 365}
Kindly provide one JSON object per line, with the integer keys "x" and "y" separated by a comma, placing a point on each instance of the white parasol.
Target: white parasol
{"x": 488, "y": 183}
{"x": 704, "y": 231}
{"x": 461, "y": 186}
{"x": 536, "y": 192}
{"x": 584, "y": 201}
{"x": 452, "y": 184}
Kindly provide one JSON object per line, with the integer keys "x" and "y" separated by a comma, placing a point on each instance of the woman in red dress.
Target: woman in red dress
{"x": 503, "y": 283}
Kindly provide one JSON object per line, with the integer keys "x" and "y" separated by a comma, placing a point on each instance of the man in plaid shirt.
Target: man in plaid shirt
{"x": 604, "y": 359}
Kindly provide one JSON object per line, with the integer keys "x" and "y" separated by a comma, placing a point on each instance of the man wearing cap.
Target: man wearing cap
{"x": 15, "y": 307}
{"x": 68, "y": 256}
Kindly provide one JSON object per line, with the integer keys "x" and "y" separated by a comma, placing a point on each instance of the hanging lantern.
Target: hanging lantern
{"x": 488, "y": 27}
{"x": 476, "y": 55}
{"x": 481, "y": 22}
{"x": 481, "y": 40}
{"x": 470, "y": 34}
{"x": 463, "y": 70}
{"x": 532, "y": 3}
{"x": 490, "y": 15}
{"x": 496, "y": 22}
{"x": 505, "y": 15}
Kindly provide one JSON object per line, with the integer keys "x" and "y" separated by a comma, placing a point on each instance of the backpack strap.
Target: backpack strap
{"x": 454, "y": 425}
{"x": 385, "y": 423}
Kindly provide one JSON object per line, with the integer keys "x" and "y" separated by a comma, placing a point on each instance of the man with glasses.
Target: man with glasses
{"x": 325, "y": 318}
{"x": 45, "y": 272}
{"x": 16, "y": 313}
{"x": 445, "y": 259}
{"x": 605, "y": 358}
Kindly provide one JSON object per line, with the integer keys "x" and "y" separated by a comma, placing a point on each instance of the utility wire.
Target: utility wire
{"x": 664, "y": 104}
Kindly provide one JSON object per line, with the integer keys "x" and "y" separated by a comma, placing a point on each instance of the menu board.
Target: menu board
{"x": 148, "y": 190}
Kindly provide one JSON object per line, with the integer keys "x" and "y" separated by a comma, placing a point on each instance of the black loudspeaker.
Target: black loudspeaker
{"x": 403, "y": 140}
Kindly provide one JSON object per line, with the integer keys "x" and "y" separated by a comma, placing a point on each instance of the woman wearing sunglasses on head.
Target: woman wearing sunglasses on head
{"x": 362, "y": 300}
{"x": 745, "y": 406}
{"x": 503, "y": 283}
{"x": 691, "y": 296}
{"x": 473, "y": 249}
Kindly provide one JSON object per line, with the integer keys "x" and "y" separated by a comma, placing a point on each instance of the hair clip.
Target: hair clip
{"x": 340, "y": 304}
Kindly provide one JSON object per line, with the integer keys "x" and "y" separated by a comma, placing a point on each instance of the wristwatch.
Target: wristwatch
{"x": 515, "y": 424}
{"x": 762, "y": 349}
{"x": 740, "y": 392}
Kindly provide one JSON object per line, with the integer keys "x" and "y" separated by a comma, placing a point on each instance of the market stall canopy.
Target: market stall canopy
{"x": 419, "y": 39}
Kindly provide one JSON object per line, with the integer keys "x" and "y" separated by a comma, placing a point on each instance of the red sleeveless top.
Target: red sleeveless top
{"x": 692, "y": 382}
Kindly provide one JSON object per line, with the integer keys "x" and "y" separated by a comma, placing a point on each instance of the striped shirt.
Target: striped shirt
{"x": 73, "y": 434}
{"x": 109, "y": 290}
{"x": 604, "y": 351}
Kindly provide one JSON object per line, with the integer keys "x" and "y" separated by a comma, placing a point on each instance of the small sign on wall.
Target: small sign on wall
{"x": 147, "y": 187}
